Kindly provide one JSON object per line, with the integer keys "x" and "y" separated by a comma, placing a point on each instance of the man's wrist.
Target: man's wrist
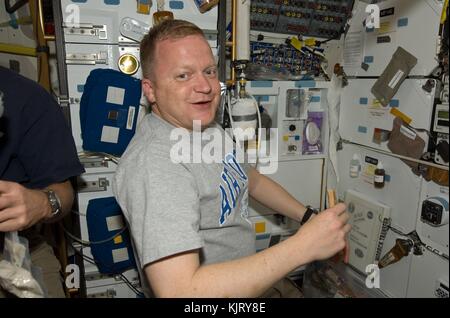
{"x": 53, "y": 206}
{"x": 308, "y": 214}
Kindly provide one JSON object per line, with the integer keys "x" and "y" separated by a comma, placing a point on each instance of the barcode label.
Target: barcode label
{"x": 130, "y": 120}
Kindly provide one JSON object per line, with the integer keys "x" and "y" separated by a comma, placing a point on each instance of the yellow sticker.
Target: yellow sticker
{"x": 143, "y": 8}
{"x": 370, "y": 170}
{"x": 310, "y": 42}
{"x": 295, "y": 42}
{"x": 385, "y": 27}
{"x": 285, "y": 138}
{"x": 118, "y": 239}
{"x": 260, "y": 227}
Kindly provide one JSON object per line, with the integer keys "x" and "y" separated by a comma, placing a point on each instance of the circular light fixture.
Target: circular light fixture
{"x": 128, "y": 64}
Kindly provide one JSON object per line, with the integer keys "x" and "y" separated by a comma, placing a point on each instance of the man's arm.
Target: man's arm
{"x": 21, "y": 208}
{"x": 182, "y": 276}
{"x": 274, "y": 196}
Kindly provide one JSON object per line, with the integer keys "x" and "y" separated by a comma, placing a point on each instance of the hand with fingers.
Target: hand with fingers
{"x": 20, "y": 208}
{"x": 326, "y": 233}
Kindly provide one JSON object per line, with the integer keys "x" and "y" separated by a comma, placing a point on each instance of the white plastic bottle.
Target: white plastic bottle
{"x": 355, "y": 166}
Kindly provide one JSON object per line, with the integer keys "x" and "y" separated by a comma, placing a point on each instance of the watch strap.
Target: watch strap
{"x": 309, "y": 211}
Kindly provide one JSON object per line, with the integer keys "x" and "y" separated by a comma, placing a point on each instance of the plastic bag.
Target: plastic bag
{"x": 329, "y": 279}
{"x": 17, "y": 274}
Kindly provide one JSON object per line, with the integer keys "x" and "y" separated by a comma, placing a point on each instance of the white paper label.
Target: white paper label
{"x": 115, "y": 95}
{"x": 408, "y": 132}
{"x": 120, "y": 255}
{"x": 110, "y": 134}
{"x": 379, "y": 179}
{"x": 394, "y": 81}
{"x": 130, "y": 119}
{"x": 114, "y": 223}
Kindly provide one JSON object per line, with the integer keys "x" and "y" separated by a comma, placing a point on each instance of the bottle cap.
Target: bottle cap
{"x": 379, "y": 165}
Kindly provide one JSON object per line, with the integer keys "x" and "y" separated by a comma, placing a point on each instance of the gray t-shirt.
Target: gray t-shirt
{"x": 176, "y": 207}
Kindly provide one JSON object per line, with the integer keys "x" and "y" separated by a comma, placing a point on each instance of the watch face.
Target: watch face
{"x": 54, "y": 201}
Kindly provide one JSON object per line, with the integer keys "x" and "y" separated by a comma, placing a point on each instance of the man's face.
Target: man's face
{"x": 184, "y": 84}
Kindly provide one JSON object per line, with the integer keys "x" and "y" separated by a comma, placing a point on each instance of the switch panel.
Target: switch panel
{"x": 319, "y": 18}
{"x": 292, "y": 137}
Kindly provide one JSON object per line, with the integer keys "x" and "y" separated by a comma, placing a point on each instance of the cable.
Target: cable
{"x": 121, "y": 275}
{"x": 88, "y": 243}
{"x": 95, "y": 262}
{"x": 11, "y": 9}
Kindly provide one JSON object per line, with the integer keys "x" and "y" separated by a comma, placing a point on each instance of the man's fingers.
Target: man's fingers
{"x": 6, "y": 214}
{"x": 344, "y": 217}
{"x": 5, "y": 202}
{"x": 9, "y": 226}
{"x": 5, "y": 186}
{"x": 338, "y": 208}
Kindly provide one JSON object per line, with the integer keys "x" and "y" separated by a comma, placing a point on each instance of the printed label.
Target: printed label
{"x": 407, "y": 132}
{"x": 397, "y": 77}
{"x": 130, "y": 119}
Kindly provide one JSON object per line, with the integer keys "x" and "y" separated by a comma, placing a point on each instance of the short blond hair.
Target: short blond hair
{"x": 167, "y": 29}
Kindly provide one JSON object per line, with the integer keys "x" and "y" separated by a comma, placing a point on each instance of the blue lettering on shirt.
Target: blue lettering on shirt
{"x": 236, "y": 180}
{"x": 226, "y": 208}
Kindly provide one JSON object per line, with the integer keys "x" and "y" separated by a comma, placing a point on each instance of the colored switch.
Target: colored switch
{"x": 143, "y": 6}
{"x": 118, "y": 239}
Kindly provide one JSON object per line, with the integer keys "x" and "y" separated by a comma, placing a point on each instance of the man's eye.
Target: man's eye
{"x": 211, "y": 72}
{"x": 182, "y": 76}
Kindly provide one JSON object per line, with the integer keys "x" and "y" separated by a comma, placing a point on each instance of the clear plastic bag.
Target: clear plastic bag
{"x": 17, "y": 274}
{"x": 329, "y": 279}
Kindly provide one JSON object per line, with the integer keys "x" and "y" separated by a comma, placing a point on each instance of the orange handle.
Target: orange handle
{"x": 331, "y": 203}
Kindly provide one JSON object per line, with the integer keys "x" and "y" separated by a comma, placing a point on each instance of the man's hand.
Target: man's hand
{"x": 324, "y": 235}
{"x": 21, "y": 208}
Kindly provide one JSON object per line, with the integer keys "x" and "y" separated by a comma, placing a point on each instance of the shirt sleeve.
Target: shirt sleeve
{"x": 161, "y": 204}
{"x": 47, "y": 150}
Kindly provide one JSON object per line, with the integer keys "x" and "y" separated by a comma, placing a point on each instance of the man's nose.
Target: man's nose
{"x": 202, "y": 84}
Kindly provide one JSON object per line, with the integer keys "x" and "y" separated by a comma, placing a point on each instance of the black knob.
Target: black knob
{"x": 292, "y": 127}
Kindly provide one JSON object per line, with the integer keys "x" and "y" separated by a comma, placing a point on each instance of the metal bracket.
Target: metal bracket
{"x": 109, "y": 293}
{"x": 87, "y": 58}
{"x": 96, "y": 276}
{"x": 94, "y": 162}
{"x": 93, "y": 186}
{"x": 86, "y": 29}
{"x": 211, "y": 35}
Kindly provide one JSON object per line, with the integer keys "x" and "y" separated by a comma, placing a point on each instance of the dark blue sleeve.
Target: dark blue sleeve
{"x": 47, "y": 150}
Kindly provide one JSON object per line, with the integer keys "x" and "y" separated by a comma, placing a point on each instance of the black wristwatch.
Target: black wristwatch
{"x": 55, "y": 202}
{"x": 309, "y": 211}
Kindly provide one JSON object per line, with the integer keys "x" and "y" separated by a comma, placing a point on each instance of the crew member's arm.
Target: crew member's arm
{"x": 274, "y": 196}
{"x": 181, "y": 275}
{"x": 21, "y": 208}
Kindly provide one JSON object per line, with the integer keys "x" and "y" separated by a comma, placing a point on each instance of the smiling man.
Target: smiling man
{"x": 189, "y": 221}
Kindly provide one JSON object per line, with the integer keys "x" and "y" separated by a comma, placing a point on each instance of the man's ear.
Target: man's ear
{"x": 148, "y": 89}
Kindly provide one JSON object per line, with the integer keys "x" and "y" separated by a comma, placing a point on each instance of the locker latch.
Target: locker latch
{"x": 87, "y": 58}
{"x": 94, "y": 162}
{"x": 93, "y": 186}
{"x": 86, "y": 29}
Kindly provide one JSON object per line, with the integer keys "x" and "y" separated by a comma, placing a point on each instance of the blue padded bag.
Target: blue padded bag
{"x": 105, "y": 220}
{"x": 109, "y": 109}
